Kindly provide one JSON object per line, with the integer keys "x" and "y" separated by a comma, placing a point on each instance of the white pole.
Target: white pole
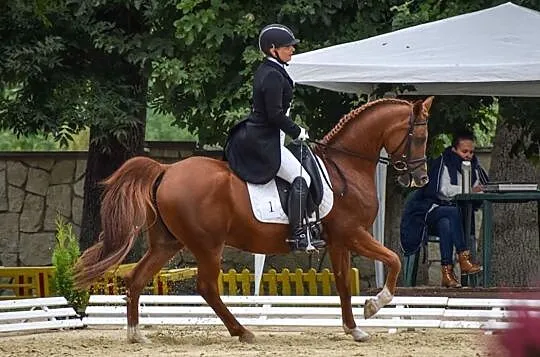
{"x": 259, "y": 269}
{"x": 378, "y": 226}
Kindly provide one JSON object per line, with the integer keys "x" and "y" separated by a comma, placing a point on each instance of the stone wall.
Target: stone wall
{"x": 35, "y": 187}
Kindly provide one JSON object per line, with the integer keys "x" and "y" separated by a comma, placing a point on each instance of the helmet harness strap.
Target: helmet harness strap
{"x": 276, "y": 56}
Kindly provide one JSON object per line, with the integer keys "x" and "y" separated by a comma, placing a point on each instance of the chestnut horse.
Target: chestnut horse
{"x": 199, "y": 204}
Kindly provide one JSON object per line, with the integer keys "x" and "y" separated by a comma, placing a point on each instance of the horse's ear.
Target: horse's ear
{"x": 418, "y": 107}
{"x": 421, "y": 108}
{"x": 427, "y": 103}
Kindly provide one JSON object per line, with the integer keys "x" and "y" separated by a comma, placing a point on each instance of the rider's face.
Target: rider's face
{"x": 465, "y": 149}
{"x": 284, "y": 53}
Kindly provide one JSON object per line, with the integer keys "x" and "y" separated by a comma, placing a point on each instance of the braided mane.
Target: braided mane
{"x": 353, "y": 114}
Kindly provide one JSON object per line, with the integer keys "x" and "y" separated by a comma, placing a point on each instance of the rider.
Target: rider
{"x": 255, "y": 147}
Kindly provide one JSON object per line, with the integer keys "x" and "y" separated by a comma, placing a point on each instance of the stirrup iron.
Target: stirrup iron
{"x": 310, "y": 247}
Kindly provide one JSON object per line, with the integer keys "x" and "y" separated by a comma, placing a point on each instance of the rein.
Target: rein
{"x": 380, "y": 159}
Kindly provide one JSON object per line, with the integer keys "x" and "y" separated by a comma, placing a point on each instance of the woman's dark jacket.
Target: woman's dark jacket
{"x": 413, "y": 228}
{"x": 253, "y": 147}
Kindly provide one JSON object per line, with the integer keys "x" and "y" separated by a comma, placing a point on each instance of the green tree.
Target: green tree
{"x": 209, "y": 87}
{"x": 160, "y": 127}
{"x": 65, "y": 254}
{"x": 213, "y": 77}
{"x": 68, "y": 65}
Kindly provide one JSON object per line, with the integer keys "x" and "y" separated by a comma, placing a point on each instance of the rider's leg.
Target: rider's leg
{"x": 290, "y": 167}
{"x": 290, "y": 171}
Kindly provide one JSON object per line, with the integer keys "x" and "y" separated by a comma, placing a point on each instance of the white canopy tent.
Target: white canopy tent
{"x": 495, "y": 52}
{"x": 489, "y": 52}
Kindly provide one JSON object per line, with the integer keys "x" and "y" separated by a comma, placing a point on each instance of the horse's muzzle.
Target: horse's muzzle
{"x": 421, "y": 181}
{"x": 411, "y": 180}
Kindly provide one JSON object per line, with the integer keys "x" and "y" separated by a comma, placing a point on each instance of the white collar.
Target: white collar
{"x": 275, "y": 61}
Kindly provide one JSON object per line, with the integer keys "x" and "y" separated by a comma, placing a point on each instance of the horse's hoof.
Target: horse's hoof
{"x": 370, "y": 308}
{"x": 357, "y": 334}
{"x": 134, "y": 336}
{"x": 247, "y": 337}
{"x": 138, "y": 339}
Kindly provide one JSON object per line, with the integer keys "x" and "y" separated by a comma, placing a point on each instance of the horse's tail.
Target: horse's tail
{"x": 124, "y": 211}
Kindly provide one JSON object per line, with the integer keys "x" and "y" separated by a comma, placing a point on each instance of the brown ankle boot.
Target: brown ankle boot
{"x": 448, "y": 279}
{"x": 465, "y": 264}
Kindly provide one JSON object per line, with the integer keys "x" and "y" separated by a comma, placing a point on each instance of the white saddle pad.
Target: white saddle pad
{"x": 266, "y": 205}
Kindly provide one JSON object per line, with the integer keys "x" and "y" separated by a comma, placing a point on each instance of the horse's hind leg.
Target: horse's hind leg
{"x": 208, "y": 264}
{"x": 364, "y": 244}
{"x": 341, "y": 264}
{"x": 161, "y": 247}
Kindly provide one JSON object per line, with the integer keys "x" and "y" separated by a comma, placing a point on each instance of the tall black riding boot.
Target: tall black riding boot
{"x": 297, "y": 211}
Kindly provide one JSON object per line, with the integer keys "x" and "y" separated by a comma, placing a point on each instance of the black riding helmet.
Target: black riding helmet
{"x": 275, "y": 36}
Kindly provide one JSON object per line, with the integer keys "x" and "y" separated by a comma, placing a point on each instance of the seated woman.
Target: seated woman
{"x": 431, "y": 208}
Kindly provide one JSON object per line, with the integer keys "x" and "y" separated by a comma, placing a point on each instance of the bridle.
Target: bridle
{"x": 403, "y": 164}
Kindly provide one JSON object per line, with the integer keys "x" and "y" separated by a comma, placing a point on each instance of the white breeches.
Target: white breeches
{"x": 290, "y": 167}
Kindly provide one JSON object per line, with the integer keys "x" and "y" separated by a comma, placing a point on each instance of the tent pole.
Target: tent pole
{"x": 259, "y": 268}
{"x": 378, "y": 226}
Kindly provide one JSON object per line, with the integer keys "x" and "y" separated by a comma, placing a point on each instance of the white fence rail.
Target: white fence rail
{"x": 402, "y": 312}
{"x": 37, "y": 314}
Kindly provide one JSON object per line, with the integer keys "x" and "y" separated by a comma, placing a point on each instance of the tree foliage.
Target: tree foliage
{"x": 159, "y": 127}
{"x": 199, "y": 55}
{"x": 68, "y": 65}
{"x": 72, "y": 64}
{"x": 209, "y": 87}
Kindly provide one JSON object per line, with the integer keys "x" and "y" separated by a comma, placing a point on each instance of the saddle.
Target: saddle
{"x": 269, "y": 201}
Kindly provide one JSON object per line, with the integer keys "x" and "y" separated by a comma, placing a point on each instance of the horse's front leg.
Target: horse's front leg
{"x": 364, "y": 244}
{"x": 341, "y": 263}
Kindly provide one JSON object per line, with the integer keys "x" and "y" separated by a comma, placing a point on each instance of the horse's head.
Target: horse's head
{"x": 407, "y": 146}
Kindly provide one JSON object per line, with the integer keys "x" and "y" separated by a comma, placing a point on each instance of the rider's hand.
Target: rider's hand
{"x": 478, "y": 188}
{"x": 303, "y": 135}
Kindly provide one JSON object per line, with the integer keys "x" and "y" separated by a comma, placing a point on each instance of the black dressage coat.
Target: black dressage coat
{"x": 253, "y": 147}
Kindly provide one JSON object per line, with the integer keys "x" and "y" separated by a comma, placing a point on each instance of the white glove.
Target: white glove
{"x": 303, "y": 135}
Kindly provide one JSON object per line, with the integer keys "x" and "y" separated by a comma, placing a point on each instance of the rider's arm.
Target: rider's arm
{"x": 273, "y": 97}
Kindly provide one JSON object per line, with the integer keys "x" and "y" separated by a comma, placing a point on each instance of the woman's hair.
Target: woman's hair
{"x": 462, "y": 135}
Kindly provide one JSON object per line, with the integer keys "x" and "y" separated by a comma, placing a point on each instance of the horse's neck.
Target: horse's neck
{"x": 364, "y": 135}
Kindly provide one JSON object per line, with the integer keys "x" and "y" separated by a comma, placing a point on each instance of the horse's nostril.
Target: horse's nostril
{"x": 424, "y": 180}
